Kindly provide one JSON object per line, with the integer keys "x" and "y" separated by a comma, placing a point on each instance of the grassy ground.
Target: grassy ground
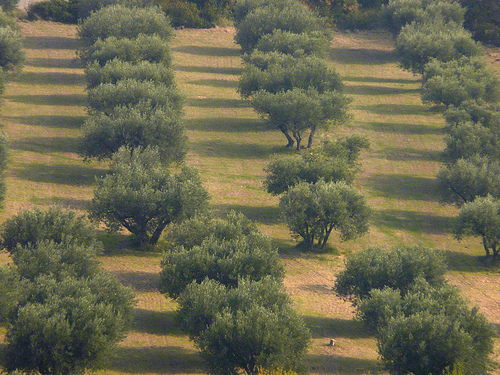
{"x": 230, "y": 145}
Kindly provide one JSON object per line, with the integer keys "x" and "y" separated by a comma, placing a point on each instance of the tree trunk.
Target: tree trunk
{"x": 298, "y": 138}
{"x": 311, "y": 135}
{"x": 486, "y": 248}
{"x": 288, "y": 137}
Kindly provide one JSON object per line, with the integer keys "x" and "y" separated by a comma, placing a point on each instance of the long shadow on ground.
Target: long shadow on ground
{"x": 46, "y": 144}
{"x": 228, "y": 125}
{"x": 52, "y": 100}
{"x": 399, "y": 186}
{"x": 400, "y": 109}
{"x": 406, "y": 154}
{"x": 332, "y": 328}
{"x": 417, "y": 222}
{"x": 73, "y": 175}
{"x": 209, "y": 69}
{"x": 263, "y": 214}
{"x": 215, "y": 83}
{"x": 223, "y": 149}
{"x": 377, "y": 90}
{"x": 42, "y": 62}
{"x": 51, "y": 78}
{"x": 155, "y": 322}
{"x": 208, "y": 51}
{"x": 217, "y": 103}
{"x": 401, "y": 128}
{"x": 156, "y": 360}
{"x": 57, "y": 121}
{"x": 51, "y": 42}
{"x": 380, "y": 80}
{"x": 362, "y": 56}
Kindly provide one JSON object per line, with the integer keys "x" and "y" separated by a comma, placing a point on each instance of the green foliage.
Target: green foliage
{"x": 464, "y": 180}
{"x": 426, "y": 343}
{"x": 11, "y": 50}
{"x": 28, "y": 227}
{"x": 313, "y": 211}
{"x": 183, "y": 13}
{"x": 249, "y": 327}
{"x": 488, "y": 114}
{"x": 377, "y": 268}
{"x": 243, "y": 7}
{"x": 57, "y": 260}
{"x": 419, "y": 42}
{"x": 8, "y": 5}
{"x": 481, "y": 218}
{"x": 6, "y": 20}
{"x": 151, "y": 48}
{"x": 4, "y": 145}
{"x": 302, "y": 73}
{"x": 459, "y": 80}
{"x": 298, "y": 45}
{"x": 67, "y": 327}
{"x": 133, "y": 127}
{"x": 10, "y": 292}
{"x": 54, "y": 10}
{"x": 334, "y": 161}
{"x": 87, "y": 7}
{"x": 107, "y": 97}
{"x": 142, "y": 196}
{"x": 193, "y": 231}
{"x": 399, "y": 13}
{"x": 120, "y": 21}
{"x": 116, "y": 70}
{"x": 483, "y": 20}
{"x": 249, "y": 256}
{"x": 297, "y": 111}
{"x": 287, "y": 16}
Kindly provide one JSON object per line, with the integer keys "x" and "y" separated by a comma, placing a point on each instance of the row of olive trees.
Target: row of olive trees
{"x": 422, "y": 324}
{"x": 135, "y": 112}
{"x": 289, "y": 82}
{"x": 65, "y": 315}
{"x": 285, "y": 77}
{"x": 11, "y": 61}
{"x": 432, "y": 41}
{"x": 227, "y": 279}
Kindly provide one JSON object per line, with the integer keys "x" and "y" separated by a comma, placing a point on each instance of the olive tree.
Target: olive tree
{"x": 131, "y": 127}
{"x": 141, "y": 195}
{"x": 67, "y": 327}
{"x": 296, "y": 44}
{"x": 313, "y": 211}
{"x": 464, "y": 180}
{"x": 116, "y": 70}
{"x": 399, "y": 268}
{"x": 245, "y": 328}
{"x": 11, "y": 50}
{"x": 455, "y": 81}
{"x": 29, "y": 227}
{"x": 297, "y": 111}
{"x": 303, "y": 73}
{"x": 419, "y": 42}
{"x": 121, "y": 21}
{"x": 481, "y": 218}
{"x": 333, "y": 161}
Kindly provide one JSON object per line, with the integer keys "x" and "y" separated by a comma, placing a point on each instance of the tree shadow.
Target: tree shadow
{"x": 52, "y": 100}
{"x": 362, "y": 56}
{"x": 208, "y": 51}
{"x": 400, "y": 109}
{"x": 50, "y": 78}
{"x": 467, "y": 263}
{"x": 416, "y": 222}
{"x": 377, "y": 90}
{"x": 156, "y": 360}
{"x": 380, "y": 80}
{"x": 73, "y": 175}
{"x": 42, "y": 62}
{"x": 218, "y": 148}
{"x": 405, "y": 154}
{"x": 209, "y": 69}
{"x": 333, "y": 327}
{"x": 227, "y": 125}
{"x": 155, "y": 322}
{"x": 217, "y": 103}
{"x": 268, "y": 215}
{"x": 338, "y": 364}
{"x": 140, "y": 281}
{"x": 404, "y": 187}
{"x": 404, "y": 128}
{"x": 57, "y": 121}
{"x": 215, "y": 83}
{"x": 51, "y": 42}
{"x": 46, "y": 144}
{"x": 68, "y": 203}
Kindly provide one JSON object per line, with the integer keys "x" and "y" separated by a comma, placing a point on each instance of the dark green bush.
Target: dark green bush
{"x": 183, "y": 13}
{"x": 243, "y": 7}
{"x": 54, "y": 10}
{"x": 87, "y": 7}
{"x": 483, "y": 20}
{"x": 420, "y": 42}
{"x": 151, "y": 48}
{"x": 6, "y": 20}
{"x": 10, "y": 292}
{"x": 107, "y": 97}
{"x": 377, "y": 268}
{"x": 477, "y": 111}
{"x": 8, "y": 5}
{"x": 120, "y": 21}
{"x": 116, "y": 70}
{"x": 459, "y": 80}
{"x": 31, "y": 226}
{"x": 132, "y": 127}
{"x": 11, "y": 50}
